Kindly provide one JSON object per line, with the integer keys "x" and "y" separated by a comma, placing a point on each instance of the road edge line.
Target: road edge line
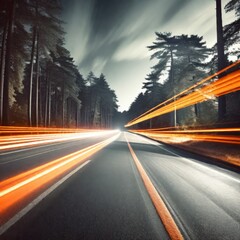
{"x": 159, "y": 204}
{"x": 37, "y": 200}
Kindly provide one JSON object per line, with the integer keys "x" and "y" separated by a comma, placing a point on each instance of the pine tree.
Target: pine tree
{"x": 9, "y": 24}
{"x": 63, "y": 77}
{"x": 154, "y": 89}
{"x": 231, "y": 31}
{"x": 165, "y": 49}
{"x": 46, "y": 32}
{"x": 222, "y": 63}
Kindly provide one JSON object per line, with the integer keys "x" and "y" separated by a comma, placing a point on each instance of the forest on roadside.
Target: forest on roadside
{"x": 184, "y": 60}
{"x": 40, "y": 85}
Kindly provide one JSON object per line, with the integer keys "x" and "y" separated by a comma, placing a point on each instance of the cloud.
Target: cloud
{"x": 98, "y": 65}
{"x": 134, "y": 49}
{"x": 172, "y": 8}
{"x": 105, "y": 34}
{"x": 78, "y": 28}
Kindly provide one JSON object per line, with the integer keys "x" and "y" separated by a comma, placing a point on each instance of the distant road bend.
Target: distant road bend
{"x": 112, "y": 185}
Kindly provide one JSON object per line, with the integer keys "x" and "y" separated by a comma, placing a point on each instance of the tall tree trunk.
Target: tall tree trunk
{"x": 171, "y": 70}
{"x": 68, "y": 112}
{"x": 46, "y": 102}
{"x": 77, "y": 115}
{"x": 40, "y": 98}
{"x": 31, "y": 78}
{"x": 37, "y": 66}
{"x": 49, "y": 103}
{"x": 10, "y": 19}
{"x": 196, "y": 111}
{"x": 56, "y": 106}
{"x": 221, "y": 57}
{"x": 37, "y": 82}
{"x": 86, "y": 115}
{"x": 63, "y": 100}
{"x": 174, "y": 114}
{"x": 2, "y": 67}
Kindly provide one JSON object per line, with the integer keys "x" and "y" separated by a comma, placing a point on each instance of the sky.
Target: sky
{"x": 111, "y": 36}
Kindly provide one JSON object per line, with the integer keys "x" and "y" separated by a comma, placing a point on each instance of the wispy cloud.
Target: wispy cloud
{"x": 98, "y": 65}
{"x": 134, "y": 49}
{"x": 101, "y": 34}
{"x": 78, "y": 28}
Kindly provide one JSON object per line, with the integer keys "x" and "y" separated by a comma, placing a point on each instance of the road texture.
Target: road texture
{"x": 107, "y": 197}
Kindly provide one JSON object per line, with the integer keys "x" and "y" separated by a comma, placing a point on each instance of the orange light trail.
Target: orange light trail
{"x": 6, "y": 130}
{"x": 19, "y": 187}
{"x": 191, "y": 137}
{"x": 161, "y": 208}
{"x": 10, "y": 142}
{"x": 193, "y": 95}
{"x": 215, "y": 130}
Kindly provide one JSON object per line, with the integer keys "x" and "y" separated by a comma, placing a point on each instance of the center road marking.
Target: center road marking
{"x": 159, "y": 204}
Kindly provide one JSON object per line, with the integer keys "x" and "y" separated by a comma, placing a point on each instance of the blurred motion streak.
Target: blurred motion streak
{"x": 190, "y": 135}
{"x": 223, "y": 146}
{"x": 161, "y": 208}
{"x": 195, "y": 94}
{"x": 13, "y": 142}
{"x": 18, "y": 187}
{"x": 6, "y": 130}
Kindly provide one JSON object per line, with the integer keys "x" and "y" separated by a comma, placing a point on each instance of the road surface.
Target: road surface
{"x": 104, "y": 195}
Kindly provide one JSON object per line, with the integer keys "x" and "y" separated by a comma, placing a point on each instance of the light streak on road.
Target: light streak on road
{"x": 10, "y": 142}
{"x": 19, "y": 187}
{"x": 195, "y": 134}
{"x": 36, "y": 201}
{"x": 195, "y": 94}
{"x": 5, "y": 130}
{"x": 159, "y": 204}
{"x": 180, "y": 137}
{"x": 215, "y": 130}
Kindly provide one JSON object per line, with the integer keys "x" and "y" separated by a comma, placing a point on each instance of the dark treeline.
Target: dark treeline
{"x": 183, "y": 60}
{"x": 40, "y": 84}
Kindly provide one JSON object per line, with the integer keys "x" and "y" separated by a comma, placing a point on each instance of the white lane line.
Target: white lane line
{"x": 37, "y": 200}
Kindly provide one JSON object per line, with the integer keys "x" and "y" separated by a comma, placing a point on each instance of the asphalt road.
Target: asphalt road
{"x": 107, "y": 199}
{"x": 15, "y": 161}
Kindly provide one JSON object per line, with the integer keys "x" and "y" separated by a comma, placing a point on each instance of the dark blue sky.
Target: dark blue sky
{"x": 111, "y": 36}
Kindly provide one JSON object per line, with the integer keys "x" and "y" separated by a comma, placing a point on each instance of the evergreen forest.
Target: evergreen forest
{"x": 40, "y": 85}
